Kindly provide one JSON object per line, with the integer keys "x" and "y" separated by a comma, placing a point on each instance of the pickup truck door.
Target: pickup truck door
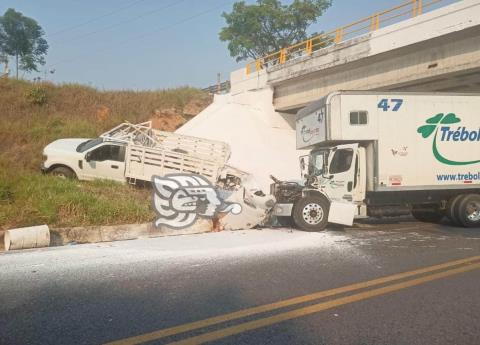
{"x": 341, "y": 171}
{"x": 106, "y": 161}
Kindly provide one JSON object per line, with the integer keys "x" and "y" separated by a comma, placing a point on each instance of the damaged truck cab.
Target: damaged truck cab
{"x": 385, "y": 154}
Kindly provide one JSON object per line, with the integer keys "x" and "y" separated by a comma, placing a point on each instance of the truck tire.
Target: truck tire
{"x": 469, "y": 210}
{"x": 452, "y": 209}
{"x": 63, "y": 172}
{"x": 428, "y": 216}
{"x": 311, "y": 213}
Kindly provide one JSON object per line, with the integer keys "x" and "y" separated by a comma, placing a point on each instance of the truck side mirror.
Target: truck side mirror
{"x": 325, "y": 174}
{"x": 88, "y": 157}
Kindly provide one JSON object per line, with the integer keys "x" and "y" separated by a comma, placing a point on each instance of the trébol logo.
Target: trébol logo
{"x": 442, "y": 123}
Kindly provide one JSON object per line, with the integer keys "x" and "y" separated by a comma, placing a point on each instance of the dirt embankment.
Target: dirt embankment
{"x": 33, "y": 115}
{"x": 169, "y": 119}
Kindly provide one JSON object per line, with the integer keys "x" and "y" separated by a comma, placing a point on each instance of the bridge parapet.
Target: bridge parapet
{"x": 408, "y": 9}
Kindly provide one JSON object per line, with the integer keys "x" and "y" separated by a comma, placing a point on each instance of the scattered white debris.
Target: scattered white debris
{"x": 201, "y": 249}
{"x": 262, "y": 141}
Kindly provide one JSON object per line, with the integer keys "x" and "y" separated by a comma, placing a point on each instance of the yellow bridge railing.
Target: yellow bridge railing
{"x": 409, "y": 9}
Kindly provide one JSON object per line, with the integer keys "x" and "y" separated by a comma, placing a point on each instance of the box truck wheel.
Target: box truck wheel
{"x": 452, "y": 209}
{"x": 469, "y": 210}
{"x": 311, "y": 213}
{"x": 62, "y": 172}
{"x": 428, "y": 216}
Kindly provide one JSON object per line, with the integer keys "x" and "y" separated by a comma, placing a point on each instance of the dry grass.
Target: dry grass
{"x": 33, "y": 115}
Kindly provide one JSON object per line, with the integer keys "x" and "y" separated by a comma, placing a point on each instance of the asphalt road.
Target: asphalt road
{"x": 98, "y": 293}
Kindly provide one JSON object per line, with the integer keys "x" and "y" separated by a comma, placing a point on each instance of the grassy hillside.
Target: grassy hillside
{"x": 33, "y": 115}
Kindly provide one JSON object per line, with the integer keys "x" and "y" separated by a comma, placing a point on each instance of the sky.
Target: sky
{"x": 149, "y": 44}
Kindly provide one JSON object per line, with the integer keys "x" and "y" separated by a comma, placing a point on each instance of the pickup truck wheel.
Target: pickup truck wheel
{"x": 63, "y": 172}
{"x": 469, "y": 211}
{"x": 452, "y": 209}
{"x": 311, "y": 213}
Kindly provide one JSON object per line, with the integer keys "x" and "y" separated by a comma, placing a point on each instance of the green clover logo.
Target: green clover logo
{"x": 432, "y": 126}
{"x": 433, "y": 122}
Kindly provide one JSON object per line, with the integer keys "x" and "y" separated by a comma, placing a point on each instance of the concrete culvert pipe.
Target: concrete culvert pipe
{"x": 24, "y": 238}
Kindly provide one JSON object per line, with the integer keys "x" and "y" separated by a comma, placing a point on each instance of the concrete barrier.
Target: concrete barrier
{"x": 30, "y": 237}
{"x": 42, "y": 236}
{"x": 94, "y": 234}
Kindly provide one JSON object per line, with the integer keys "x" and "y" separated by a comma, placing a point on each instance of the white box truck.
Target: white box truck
{"x": 386, "y": 154}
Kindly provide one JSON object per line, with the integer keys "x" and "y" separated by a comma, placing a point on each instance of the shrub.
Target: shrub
{"x": 37, "y": 95}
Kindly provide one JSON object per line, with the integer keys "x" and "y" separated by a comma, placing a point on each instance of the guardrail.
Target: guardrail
{"x": 218, "y": 88}
{"x": 407, "y": 10}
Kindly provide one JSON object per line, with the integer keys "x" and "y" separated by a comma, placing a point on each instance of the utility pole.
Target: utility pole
{"x": 46, "y": 71}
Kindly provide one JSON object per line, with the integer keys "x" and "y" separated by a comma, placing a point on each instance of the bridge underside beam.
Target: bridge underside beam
{"x": 446, "y": 63}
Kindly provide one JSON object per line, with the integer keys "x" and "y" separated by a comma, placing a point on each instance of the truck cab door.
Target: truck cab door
{"x": 106, "y": 161}
{"x": 304, "y": 166}
{"x": 360, "y": 177}
{"x": 342, "y": 173}
{"x": 341, "y": 184}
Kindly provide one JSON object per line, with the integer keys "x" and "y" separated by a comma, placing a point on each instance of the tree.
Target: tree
{"x": 3, "y": 55}
{"x": 22, "y": 38}
{"x": 258, "y": 29}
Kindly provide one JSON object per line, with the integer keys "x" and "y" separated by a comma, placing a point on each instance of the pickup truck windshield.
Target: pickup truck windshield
{"x": 86, "y": 145}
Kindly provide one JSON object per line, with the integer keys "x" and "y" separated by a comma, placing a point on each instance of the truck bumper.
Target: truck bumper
{"x": 283, "y": 210}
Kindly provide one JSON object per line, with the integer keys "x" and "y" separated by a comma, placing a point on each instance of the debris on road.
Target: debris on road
{"x": 25, "y": 238}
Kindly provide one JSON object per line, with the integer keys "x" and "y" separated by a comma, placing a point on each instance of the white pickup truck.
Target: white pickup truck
{"x": 129, "y": 152}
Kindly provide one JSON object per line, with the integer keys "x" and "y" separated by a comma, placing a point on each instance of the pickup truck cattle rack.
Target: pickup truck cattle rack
{"x": 153, "y": 152}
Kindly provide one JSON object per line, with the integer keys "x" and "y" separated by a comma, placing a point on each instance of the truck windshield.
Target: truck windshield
{"x": 86, "y": 145}
{"x": 318, "y": 162}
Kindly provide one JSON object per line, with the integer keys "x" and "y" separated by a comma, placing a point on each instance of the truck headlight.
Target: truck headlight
{"x": 270, "y": 203}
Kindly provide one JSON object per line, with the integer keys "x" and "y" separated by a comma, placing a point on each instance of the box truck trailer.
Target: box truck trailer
{"x": 385, "y": 154}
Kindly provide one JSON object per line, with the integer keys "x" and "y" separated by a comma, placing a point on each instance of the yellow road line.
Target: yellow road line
{"x": 248, "y": 326}
{"x": 282, "y": 304}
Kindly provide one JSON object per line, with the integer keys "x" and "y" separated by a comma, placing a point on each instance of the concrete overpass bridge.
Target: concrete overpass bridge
{"x": 434, "y": 51}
